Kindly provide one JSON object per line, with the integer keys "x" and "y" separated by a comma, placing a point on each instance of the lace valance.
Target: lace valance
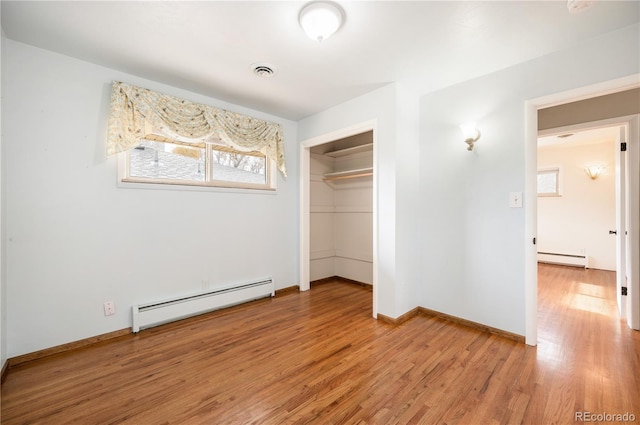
{"x": 134, "y": 107}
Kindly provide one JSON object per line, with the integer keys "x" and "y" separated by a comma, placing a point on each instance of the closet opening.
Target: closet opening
{"x": 338, "y": 215}
{"x": 341, "y": 210}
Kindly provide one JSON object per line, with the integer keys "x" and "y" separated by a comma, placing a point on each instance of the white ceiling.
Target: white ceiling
{"x": 208, "y": 46}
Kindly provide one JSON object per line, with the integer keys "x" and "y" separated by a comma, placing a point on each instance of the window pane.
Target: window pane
{"x": 548, "y": 182}
{"x": 159, "y": 160}
{"x": 238, "y": 167}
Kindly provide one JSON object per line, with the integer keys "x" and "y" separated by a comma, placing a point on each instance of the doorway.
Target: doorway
{"x": 577, "y": 197}
{"x": 631, "y": 123}
{"x": 577, "y": 209}
{"x": 339, "y": 144}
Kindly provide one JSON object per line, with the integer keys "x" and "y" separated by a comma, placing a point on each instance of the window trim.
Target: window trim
{"x": 127, "y": 181}
{"x": 558, "y": 172}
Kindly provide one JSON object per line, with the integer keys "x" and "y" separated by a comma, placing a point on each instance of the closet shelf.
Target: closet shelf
{"x": 350, "y": 174}
{"x": 350, "y": 151}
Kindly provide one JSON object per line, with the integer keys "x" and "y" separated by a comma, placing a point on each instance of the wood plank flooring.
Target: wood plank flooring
{"x": 319, "y": 358}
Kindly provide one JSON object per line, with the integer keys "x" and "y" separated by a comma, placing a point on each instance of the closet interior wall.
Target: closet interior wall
{"x": 341, "y": 222}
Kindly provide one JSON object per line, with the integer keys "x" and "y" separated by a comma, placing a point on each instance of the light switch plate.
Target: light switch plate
{"x": 515, "y": 199}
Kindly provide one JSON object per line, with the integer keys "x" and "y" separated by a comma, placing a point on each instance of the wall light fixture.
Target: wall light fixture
{"x": 594, "y": 171}
{"x": 320, "y": 19}
{"x": 470, "y": 133}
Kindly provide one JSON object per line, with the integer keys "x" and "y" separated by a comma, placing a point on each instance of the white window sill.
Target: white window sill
{"x": 133, "y": 184}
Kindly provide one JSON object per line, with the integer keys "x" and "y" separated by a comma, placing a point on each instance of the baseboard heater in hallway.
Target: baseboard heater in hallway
{"x": 157, "y": 313}
{"x": 563, "y": 259}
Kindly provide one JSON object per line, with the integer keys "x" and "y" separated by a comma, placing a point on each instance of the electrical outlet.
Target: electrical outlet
{"x": 109, "y": 308}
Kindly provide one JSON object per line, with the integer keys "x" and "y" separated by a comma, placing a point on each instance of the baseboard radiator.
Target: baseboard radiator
{"x": 159, "y": 312}
{"x": 564, "y": 259}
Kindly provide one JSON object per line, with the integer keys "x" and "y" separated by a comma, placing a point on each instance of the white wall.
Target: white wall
{"x": 322, "y": 241}
{"x": 354, "y": 229}
{"x": 3, "y": 281}
{"x": 409, "y": 212}
{"x": 578, "y": 222}
{"x": 75, "y": 240}
{"x": 473, "y": 256}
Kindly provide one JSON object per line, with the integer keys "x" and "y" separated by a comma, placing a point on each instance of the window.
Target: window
{"x": 174, "y": 163}
{"x": 549, "y": 182}
{"x": 164, "y": 140}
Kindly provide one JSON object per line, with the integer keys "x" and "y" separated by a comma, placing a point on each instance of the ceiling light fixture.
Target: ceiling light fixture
{"x": 320, "y": 19}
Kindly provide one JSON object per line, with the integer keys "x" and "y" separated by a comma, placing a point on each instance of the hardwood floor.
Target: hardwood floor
{"x": 319, "y": 358}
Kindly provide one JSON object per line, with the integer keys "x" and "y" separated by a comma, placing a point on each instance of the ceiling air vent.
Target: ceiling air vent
{"x": 263, "y": 69}
{"x": 577, "y": 6}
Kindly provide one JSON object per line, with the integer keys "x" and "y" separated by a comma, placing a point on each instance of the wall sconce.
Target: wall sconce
{"x": 320, "y": 19}
{"x": 594, "y": 171}
{"x": 470, "y": 133}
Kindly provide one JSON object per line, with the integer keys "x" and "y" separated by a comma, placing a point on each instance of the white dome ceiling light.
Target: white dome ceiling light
{"x": 320, "y": 19}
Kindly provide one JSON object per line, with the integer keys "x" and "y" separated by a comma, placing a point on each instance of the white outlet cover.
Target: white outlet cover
{"x": 109, "y": 308}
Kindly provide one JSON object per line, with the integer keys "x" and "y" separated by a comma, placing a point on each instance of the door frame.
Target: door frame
{"x": 531, "y": 201}
{"x": 622, "y": 181}
{"x": 305, "y": 207}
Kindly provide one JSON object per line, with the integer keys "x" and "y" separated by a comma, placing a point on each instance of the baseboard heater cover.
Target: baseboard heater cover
{"x": 564, "y": 259}
{"x": 165, "y": 311}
